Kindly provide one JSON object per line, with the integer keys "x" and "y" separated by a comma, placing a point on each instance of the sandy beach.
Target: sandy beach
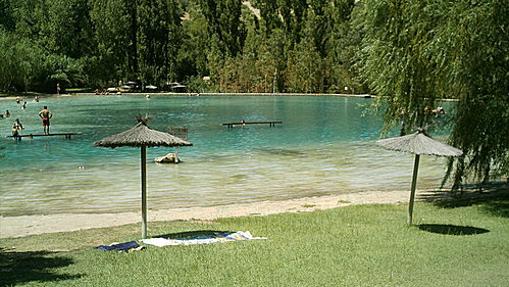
{"x": 20, "y": 226}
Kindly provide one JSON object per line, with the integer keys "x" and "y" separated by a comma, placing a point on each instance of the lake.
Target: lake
{"x": 325, "y": 145}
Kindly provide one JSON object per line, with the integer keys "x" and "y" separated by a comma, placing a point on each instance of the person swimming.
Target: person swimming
{"x": 16, "y": 127}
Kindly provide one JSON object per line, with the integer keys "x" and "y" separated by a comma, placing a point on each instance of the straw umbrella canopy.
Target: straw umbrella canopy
{"x": 142, "y": 136}
{"x": 418, "y": 143}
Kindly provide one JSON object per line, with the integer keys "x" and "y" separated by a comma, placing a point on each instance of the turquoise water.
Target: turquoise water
{"x": 324, "y": 146}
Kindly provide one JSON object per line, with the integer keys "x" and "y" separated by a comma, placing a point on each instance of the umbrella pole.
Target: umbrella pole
{"x": 143, "y": 192}
{"x": 412, "y": 191}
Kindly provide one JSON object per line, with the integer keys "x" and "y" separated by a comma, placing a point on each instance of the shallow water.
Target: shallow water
{"x": 324, "y": 146}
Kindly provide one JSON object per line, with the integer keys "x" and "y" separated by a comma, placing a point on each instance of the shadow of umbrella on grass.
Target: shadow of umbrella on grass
{"x": 448, "y": 229}
{"x": 142, "y": 136}
{"x": 418, "y": 143}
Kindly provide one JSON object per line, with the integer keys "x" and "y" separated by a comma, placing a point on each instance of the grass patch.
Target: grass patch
{"x": 366, "y": 245}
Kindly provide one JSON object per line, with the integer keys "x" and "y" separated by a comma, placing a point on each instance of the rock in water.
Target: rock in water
{"x": 169, "y": 158}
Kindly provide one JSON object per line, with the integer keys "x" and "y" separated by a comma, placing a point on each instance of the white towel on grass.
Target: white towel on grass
{"x": 239, "y": 235}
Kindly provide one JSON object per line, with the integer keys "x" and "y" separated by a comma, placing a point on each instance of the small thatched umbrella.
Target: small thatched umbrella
{"x": 418, "y": 143}
{"x": 142, "y": 136}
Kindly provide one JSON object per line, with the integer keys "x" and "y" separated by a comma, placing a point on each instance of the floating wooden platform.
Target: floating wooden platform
{"x": 236, "y": 124}
{"x": 66, "y": 135}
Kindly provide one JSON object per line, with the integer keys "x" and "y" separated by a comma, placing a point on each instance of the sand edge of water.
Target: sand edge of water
{"x": 20, "y": 226}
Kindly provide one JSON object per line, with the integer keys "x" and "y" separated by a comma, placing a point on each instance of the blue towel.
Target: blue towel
{"x": 119, "y": 247}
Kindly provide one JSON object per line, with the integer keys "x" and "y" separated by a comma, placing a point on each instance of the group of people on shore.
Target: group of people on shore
{"x": 45, "y": 115}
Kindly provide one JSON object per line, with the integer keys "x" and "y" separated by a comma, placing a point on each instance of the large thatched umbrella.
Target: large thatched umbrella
{"x": 418, "y": 143}
{"x": 142, "y": 136}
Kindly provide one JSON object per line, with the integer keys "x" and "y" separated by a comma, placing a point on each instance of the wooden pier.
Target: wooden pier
{"x": 66, "y": 135}
{"x": 240, "y": 124}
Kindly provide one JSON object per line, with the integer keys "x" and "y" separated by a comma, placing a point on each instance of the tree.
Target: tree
{"x": 415, "y": 52}
{"x": 293, "y": 13}
{"x": 224, "y": 23}
{"x": 192, "y": 55}
{"x": 99, "y": 42}
{"x": 15, "y": 62}
{"x": 395, "y": 60}
{"x": 304, "y": 69}
{"x": 272, "y": 61}
{"x": 341, "y": 45}
{"x": 475, "y": 46}
{"x": 7, "y": 20}
{"x": 158, "y": 40}
{"x": 269, "y": 13}
{"x": 112, "y": 22}
{"x": 175, "y": 39}
{"x": 67, "y": 28}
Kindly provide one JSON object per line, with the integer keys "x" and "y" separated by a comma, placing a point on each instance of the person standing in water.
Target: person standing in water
{"x": 45, "y": 115}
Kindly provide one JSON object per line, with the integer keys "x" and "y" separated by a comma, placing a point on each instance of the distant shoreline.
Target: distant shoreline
{"x": 30, "y": 95}
{"x": 366, "y": 96}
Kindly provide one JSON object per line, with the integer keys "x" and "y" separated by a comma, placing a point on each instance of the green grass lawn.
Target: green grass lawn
{"x": 366, "y": 245}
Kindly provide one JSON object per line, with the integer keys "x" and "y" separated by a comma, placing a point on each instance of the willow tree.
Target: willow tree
{"x": 415, "y": 52}
{"x": 395, "y": 59}
{"x": 474, "y": 46}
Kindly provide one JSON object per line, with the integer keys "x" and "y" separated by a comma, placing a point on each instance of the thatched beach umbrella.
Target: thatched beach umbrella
{"x": 142, "y": 136}
{"x": 418, "y": 143}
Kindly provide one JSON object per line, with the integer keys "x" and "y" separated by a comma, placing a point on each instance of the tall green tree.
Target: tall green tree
{"x": 158, "y": 40}
{"x": 293, "y": 13}
{"x": 224, "y": 23}
{"x": 340, "y": 46}
{"x": 287, "y": 15}
{"x": 30, "y": 17}
{"x": 112, "y": 22}
{"x": 269, "y": 13}
{"x": 16, "y": 58}
{"x": 272, "y": 61}
{"x": 192, "y": 55}
{"x": 304, "y": 72}
{"x": 7, "y": 20}
{"x": 68, "y": 28}
{"x": 54, "y": 31}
